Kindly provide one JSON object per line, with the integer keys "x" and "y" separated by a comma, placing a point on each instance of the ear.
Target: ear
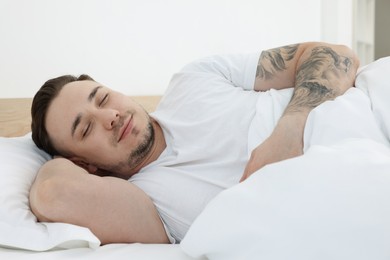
{"x": 92, "y": 169}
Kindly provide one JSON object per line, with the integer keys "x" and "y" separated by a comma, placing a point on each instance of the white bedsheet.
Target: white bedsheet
{"x": 112, "y": 251}
{"x": 330, "y": 203}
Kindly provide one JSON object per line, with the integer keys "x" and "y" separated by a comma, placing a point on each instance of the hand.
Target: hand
{"x": 285, "y": 142}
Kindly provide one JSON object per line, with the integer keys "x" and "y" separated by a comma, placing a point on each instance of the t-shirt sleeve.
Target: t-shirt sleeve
{"x": 238, "y": 69}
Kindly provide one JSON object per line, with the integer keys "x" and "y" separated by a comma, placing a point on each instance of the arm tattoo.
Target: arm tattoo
{"x": 272, "y": 61}
{"x": 315, "y": 76}
{"x": 322, "y": 62}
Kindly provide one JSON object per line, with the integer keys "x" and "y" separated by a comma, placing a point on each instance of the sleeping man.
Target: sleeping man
{"x": 130, "y": 176}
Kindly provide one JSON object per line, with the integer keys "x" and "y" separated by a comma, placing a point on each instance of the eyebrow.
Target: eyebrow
{"x": 93, "y": 93}
{"x": 77, "y": 120}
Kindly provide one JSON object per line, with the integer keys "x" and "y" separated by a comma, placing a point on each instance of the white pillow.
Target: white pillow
{"x": 20, "y": 160}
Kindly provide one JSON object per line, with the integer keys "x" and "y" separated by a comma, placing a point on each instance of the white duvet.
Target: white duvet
{"x": 331, "y": 203}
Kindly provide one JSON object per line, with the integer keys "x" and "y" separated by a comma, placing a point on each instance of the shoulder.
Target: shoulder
{"x": 219, "y": 62}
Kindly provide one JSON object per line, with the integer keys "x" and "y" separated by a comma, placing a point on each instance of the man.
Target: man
{"x": 182, "y": 155}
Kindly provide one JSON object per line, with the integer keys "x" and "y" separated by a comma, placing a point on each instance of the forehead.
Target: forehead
{"x": 72, "y": 95}
{"x": 77, "y": 88}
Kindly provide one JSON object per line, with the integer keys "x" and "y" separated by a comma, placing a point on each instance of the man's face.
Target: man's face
{"x": 95, "y": 125}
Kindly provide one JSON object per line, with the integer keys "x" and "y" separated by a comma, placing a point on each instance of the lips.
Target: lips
{"x": 126, "y": 128}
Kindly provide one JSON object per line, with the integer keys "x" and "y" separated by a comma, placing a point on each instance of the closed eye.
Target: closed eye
{"x": 87, "y": 130}
{"x": 104, "y": 100}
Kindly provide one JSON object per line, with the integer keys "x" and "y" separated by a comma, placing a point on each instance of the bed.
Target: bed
{"x": 331, "y": 203}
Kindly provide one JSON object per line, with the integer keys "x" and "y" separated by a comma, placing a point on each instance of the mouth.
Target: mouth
{"x": 126, "y": 128}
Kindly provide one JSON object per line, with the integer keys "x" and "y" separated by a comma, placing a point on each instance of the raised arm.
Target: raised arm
{"x": 333, "y": 66}
{"x": 115, "y": 210}
{"x": 318, "y": 72}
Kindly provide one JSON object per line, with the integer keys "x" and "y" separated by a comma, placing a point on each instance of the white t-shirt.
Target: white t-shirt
{"x": 205, "y": 115}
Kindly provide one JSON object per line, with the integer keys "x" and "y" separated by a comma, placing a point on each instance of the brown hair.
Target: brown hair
{"x": 40, "y": 105}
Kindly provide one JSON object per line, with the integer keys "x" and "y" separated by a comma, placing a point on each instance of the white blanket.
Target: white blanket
{"x": 330, "y": 203}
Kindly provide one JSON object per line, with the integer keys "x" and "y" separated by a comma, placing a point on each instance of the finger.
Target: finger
{"x": 245, "y": 175}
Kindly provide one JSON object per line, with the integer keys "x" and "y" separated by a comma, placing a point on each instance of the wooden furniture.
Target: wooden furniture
{"x": 15, "y": 115}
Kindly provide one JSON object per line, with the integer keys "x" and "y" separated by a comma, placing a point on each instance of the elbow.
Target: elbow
{"x": 47, "y": 192}
{"x": 343, "y": 51}
{"x": 42, "y": 196}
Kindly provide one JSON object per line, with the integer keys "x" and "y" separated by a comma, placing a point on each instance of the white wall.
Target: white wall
{"x": 135, "y": 46}
{"x": 337, "y": 21}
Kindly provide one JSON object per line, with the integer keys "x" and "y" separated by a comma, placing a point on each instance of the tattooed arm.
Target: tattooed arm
{"x": 318, "y": 72}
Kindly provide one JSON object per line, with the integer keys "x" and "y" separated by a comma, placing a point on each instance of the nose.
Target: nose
{"x": 109, "y": 118}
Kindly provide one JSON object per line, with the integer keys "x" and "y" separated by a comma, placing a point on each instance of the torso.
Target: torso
{"x": 206, "y": 132}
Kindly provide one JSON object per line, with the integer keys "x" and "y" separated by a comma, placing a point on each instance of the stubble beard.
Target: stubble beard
{"x": 137, "y": 155}
{"x": 143, "y": 149}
